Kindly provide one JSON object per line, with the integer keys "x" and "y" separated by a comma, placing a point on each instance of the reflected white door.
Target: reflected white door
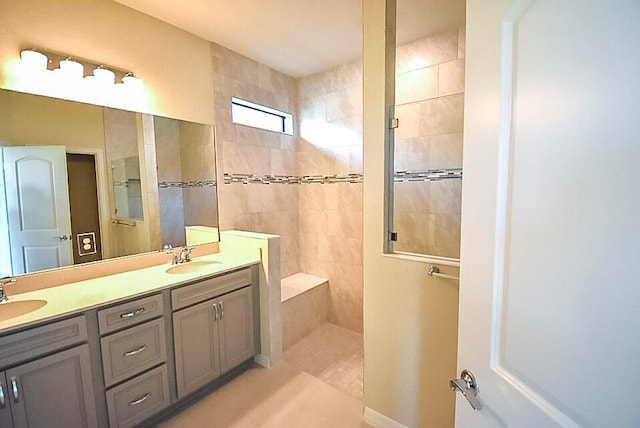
{"x": 550, "y": 263}
{"x": 38, "y": 207}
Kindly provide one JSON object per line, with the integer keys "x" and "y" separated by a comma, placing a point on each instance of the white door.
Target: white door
{"x": 37, "y": 207}
{"x": 550, "y": 263}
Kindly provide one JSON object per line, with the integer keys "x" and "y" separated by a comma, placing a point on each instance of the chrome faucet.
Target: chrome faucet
{"x": 185, "y": 254}
{"x": 179, "y": 255}
{"x": 3, "y": 283}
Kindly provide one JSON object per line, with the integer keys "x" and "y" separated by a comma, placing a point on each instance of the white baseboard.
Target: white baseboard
{"x": 378, "y": 420}
{"x": 262, "y": 360}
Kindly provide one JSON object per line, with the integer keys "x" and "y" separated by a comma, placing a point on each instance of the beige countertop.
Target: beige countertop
{"x": 83, "y": 295}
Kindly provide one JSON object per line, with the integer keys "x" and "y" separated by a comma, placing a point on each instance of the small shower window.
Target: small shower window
{"x": 258, "y": 116}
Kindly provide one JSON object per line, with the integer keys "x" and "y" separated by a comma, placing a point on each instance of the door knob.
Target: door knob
{"x": 62, "y": 237}
{"x": 468, "y": 386}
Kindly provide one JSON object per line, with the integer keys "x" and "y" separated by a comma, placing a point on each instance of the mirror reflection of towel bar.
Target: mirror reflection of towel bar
{"x": 124, "y": 223}
{"x": 435, "y": 271}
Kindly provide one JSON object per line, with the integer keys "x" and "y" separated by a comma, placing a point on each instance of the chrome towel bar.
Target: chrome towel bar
{"x": 435, "y": 271}
{"x": 117, "y": 221}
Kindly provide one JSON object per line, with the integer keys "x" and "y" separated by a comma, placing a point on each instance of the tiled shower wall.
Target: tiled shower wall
{"x": 429, "y": 106}
{"x": 330, "y": 131}
{"x": 267, "y": 208}
{"x": 321, "y": 224}
{"x": 170, "y": 200}
{"x": 184, "y": 155}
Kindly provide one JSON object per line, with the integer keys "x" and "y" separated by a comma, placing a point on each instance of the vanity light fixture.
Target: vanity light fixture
{"x": 60, "y": 75}
{"x": 40, "y": 62}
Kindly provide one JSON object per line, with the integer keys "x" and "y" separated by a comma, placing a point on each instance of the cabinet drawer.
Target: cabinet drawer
{"x": 130, "y": 313}
{"x": 18, "y": 347}
{"x": 132, "y": 351}
{"x": 209, "y": 288}
{"x": 136, "y": 400}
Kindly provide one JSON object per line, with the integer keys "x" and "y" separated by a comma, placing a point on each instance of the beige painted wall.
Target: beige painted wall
{"x": 410, "y": 319}
{"x": 72, "y": 125}
{"x": 174, "y": 65}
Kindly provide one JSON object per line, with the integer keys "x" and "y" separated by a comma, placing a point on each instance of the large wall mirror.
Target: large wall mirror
{"x": 83, "y": 183}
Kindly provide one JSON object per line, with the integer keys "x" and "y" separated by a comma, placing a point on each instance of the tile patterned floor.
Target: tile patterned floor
{"x": 318, "y": 385}
{"x": 332, "y": 354}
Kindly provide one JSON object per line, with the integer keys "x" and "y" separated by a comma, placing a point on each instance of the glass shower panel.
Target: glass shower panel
{"x": 427, "y": 151}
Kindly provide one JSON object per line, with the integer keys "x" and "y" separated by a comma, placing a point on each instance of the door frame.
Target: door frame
{"x": 101, "y": 185}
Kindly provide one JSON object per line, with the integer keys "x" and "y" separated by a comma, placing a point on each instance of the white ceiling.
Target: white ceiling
{"x": 297, "y": 37}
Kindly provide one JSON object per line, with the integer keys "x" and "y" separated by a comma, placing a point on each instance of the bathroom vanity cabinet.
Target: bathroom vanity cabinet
{"x": 141, "y": 357}
{"x": 136, "y": 342}
{"x": 216, "y": 333}
{"x": 55, "y": 390}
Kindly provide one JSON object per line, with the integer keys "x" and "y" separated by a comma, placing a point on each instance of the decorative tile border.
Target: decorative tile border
{"x": 292, "y": 179}
{"x": 398, "y": 177}
{"x": 429, "y": 175}
{"x": 186, "y": 184}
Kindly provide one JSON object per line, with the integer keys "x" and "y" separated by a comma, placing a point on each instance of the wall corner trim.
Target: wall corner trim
{"x": 262, "y": 360}
{"x": 378, "y": 420}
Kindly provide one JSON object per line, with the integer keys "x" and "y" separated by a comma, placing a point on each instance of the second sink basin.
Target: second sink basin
{"x": 11, "y": 309}
{"x": 192, "y": 267}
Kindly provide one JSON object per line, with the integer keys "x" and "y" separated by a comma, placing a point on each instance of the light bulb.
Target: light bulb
{"x": 132, "y": 81}
{"x": 104, "y": 76}
{"x": 71, "y": 69}
{"x": 34, "y": 61}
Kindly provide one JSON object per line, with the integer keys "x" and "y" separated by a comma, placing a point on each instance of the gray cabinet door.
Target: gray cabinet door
{"x": 196, "y": 341}
{"x": 54, "y": 391}
{"x": 235, "y": 326}
{"x": 6, "y": 421}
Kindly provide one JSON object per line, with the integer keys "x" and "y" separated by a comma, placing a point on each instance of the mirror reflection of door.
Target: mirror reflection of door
{"x": 38, "y": 214}
{"x": 83, "y": 203}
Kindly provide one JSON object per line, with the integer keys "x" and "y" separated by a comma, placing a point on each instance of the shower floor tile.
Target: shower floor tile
{"x": 332, "y": 354}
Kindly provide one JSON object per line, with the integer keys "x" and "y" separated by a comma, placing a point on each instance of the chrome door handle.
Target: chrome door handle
{"x": 221, "y": 310}
{"x": 215, "y": 316}
{"x": 62, "y": 237}
{"x": 468, "y": 386}
{"x": 14, "y": 390}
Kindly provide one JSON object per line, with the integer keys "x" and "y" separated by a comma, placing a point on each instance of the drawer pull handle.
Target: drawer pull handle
{"x": 132, "y": 313}
{"x": 14, "y": 389}
{"x": 140, "y": 400}
{"x": 135, "y": 351}
{"x": 221, "y": 310}
{"x": 215, "y": 307}
{"x": 3, "y": 401}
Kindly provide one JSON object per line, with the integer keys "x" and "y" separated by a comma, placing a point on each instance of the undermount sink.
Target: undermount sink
{"x": 11, "y": 309}
{"x": 192, "y": 267}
